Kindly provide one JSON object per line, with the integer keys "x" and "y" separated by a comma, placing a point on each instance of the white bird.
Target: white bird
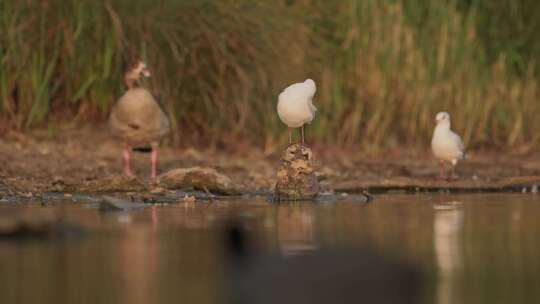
{"x": 446, "y": 145}
{"x": 295, "y": 106}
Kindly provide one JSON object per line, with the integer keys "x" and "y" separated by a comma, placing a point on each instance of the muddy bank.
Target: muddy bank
{"x": 88, "y": 161}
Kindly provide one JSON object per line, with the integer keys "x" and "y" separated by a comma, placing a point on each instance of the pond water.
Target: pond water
{"x": 475, "y": 248}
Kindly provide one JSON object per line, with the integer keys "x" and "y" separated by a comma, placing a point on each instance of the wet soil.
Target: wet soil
{"x": 88, "y": 160}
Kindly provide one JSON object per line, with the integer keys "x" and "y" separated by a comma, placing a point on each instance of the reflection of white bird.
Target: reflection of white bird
{"x": 295, "y": 106}
{"x": 448, "y": 241}
{"x": 446, "y": 145}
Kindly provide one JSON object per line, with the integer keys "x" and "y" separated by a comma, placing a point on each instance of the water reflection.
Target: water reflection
{"x": 138, "y": 250}
{"x": 484, "y": 250}
{"x": 296, "y": 229}
{"x": 447, "y": 239}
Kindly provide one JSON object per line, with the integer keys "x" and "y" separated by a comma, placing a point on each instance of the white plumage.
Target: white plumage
{"x": 295, "y": 105}
{"x": 446, "y": 145}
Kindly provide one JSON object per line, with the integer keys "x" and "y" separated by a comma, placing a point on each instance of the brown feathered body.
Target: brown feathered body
{"x": 137, "y": 118}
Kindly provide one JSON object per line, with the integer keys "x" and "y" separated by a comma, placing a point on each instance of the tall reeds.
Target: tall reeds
{"x": 383, "y": 68}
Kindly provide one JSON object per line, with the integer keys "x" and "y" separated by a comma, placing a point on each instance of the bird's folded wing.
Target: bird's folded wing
{"x": 140, "y": 118}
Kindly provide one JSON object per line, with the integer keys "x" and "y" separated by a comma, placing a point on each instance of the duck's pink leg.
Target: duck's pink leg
{"x": 154, "y": 159}
{"x": 127, "y": 162}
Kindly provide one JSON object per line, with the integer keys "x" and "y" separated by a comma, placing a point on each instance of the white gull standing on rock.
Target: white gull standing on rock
{"x": 295, "y": 106}
{"x": 446, "y": 145}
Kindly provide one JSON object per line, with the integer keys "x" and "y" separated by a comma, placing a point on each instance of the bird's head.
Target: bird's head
{"x": 311, "y": 84}
{"x": 442, "y": 118}
{"x": 311, "y": 87}
{"x": 136, "y": 72}
{"x": 139, "y": 70}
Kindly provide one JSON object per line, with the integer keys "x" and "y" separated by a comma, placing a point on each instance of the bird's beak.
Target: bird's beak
{"x": 146, "y": 73}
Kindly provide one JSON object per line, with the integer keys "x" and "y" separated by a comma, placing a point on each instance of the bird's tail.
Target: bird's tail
{"x": 143, "y": 149}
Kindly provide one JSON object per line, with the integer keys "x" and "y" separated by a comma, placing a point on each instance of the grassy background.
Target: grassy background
{"x": 384, "y": 68}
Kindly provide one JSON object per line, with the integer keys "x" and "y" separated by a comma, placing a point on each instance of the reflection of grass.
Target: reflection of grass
{"x": 383, "y": 68}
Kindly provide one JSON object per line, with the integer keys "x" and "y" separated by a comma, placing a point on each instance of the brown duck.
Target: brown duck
{"x": 136, "y": 119}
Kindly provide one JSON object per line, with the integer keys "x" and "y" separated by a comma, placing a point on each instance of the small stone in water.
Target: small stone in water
{"x": 189, "y": 199}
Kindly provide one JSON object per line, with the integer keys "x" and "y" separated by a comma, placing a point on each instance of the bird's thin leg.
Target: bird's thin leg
{"x": 154, "y": 160}
{"x": 454, "y": 175}
{"x": 127, "y": 162}
{"x": 302, "y": 130}
{"x": 290, "y": 136}
{"x": 441, "y": 169}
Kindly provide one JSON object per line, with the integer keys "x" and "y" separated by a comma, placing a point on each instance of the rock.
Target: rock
{"x": 362, "y": 197}
{"x": 296, "y": 179}
{"x": 110, "y": 203}
{"x": 174, "y": 196}
{"x": 206, "y": 179}
{"x": 410, "y": 184}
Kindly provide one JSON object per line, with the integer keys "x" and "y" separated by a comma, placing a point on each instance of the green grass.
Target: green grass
{"x": 384, "y": 68}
